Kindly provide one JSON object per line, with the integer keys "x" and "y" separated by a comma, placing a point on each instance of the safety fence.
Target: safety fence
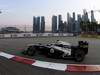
{"x": 30, "y": 35}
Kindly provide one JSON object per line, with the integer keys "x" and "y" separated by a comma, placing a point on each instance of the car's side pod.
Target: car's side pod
{"x": 83, "y": 45}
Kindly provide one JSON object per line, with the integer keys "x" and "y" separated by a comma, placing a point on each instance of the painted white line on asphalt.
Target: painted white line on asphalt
{"x": 50, "y": 65}
{"x": 6, "y": 55}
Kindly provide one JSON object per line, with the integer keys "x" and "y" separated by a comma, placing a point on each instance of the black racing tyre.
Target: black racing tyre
{"x": 79, "y": 55}
{"x": 31, "y": 51}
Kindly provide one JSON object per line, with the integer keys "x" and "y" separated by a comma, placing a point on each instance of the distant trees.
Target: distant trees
{"x": 89, "y": 27}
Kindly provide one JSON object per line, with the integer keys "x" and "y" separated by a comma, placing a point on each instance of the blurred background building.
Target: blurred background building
{"x": 10, "y": 30}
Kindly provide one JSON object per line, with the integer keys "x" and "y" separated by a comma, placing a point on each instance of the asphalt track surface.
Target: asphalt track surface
{"x": 15, "y": 46}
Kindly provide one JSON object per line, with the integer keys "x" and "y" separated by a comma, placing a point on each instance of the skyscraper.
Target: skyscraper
{"x": 92, "y": 16}
{"x": 65, "y": 27}
{"x": 42, "y": 28}
{"x": 85, "y": 21}
{"x": 68, "y": 18}
{"x": 85, "y": 16}
{"x": 73, "y": 16}
{"x": 79, "y": 19}
{"x": 68, "y": 22}
{"x": 73, "y": 23}
{"x": 54, "y": 24}
{"x": 60, "y": 23}
{"x": 36, "y": 24}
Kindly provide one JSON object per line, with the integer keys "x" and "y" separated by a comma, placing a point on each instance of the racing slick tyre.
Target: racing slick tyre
{"x": 79, "y": 55}
{"x": 31, "y": 51}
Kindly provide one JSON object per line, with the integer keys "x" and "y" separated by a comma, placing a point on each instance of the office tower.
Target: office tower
{"x": 73, "y": 23}
{"x": 79, "y": 19}
{"x": 42, "y": 28}
{"x": 54, "y": 24}
{"x": 85, "y": 16}
{"x": 92, "y": 16}
{"x": 69, "y": 19}
{"x": 61, "y": 27}
{"x": 38, "y": 25}
{"x": 34, "y": 24}
{"x": 73, "y": 16}
{"x": 59, "y": 23}
{"x": 65, "y": 27}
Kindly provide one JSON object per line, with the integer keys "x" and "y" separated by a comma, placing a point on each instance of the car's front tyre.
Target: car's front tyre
{"x": 31, "y": 51}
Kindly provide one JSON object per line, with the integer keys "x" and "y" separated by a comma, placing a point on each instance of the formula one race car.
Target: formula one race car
{"x": 59, "y": 49}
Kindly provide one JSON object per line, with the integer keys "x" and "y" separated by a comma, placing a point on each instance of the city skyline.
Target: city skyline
{"x": 21, "y": 12}
{"x": 40, "y": 26}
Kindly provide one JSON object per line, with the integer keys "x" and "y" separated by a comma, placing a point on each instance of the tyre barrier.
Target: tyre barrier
{"x": 51, "y": 65}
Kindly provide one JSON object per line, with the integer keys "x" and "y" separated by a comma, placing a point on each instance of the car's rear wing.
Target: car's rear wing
{"x": 83, "y": 44}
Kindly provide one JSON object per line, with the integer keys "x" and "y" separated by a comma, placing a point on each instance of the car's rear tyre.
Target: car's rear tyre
{"x": 31, "y": 51}
{"x": 79, "y": 55}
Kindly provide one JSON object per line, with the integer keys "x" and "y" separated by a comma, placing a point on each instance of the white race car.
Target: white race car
{"x": 60, "y": 49}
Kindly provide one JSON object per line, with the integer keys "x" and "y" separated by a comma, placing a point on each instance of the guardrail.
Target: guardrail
{"x": 30, "y": 35}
